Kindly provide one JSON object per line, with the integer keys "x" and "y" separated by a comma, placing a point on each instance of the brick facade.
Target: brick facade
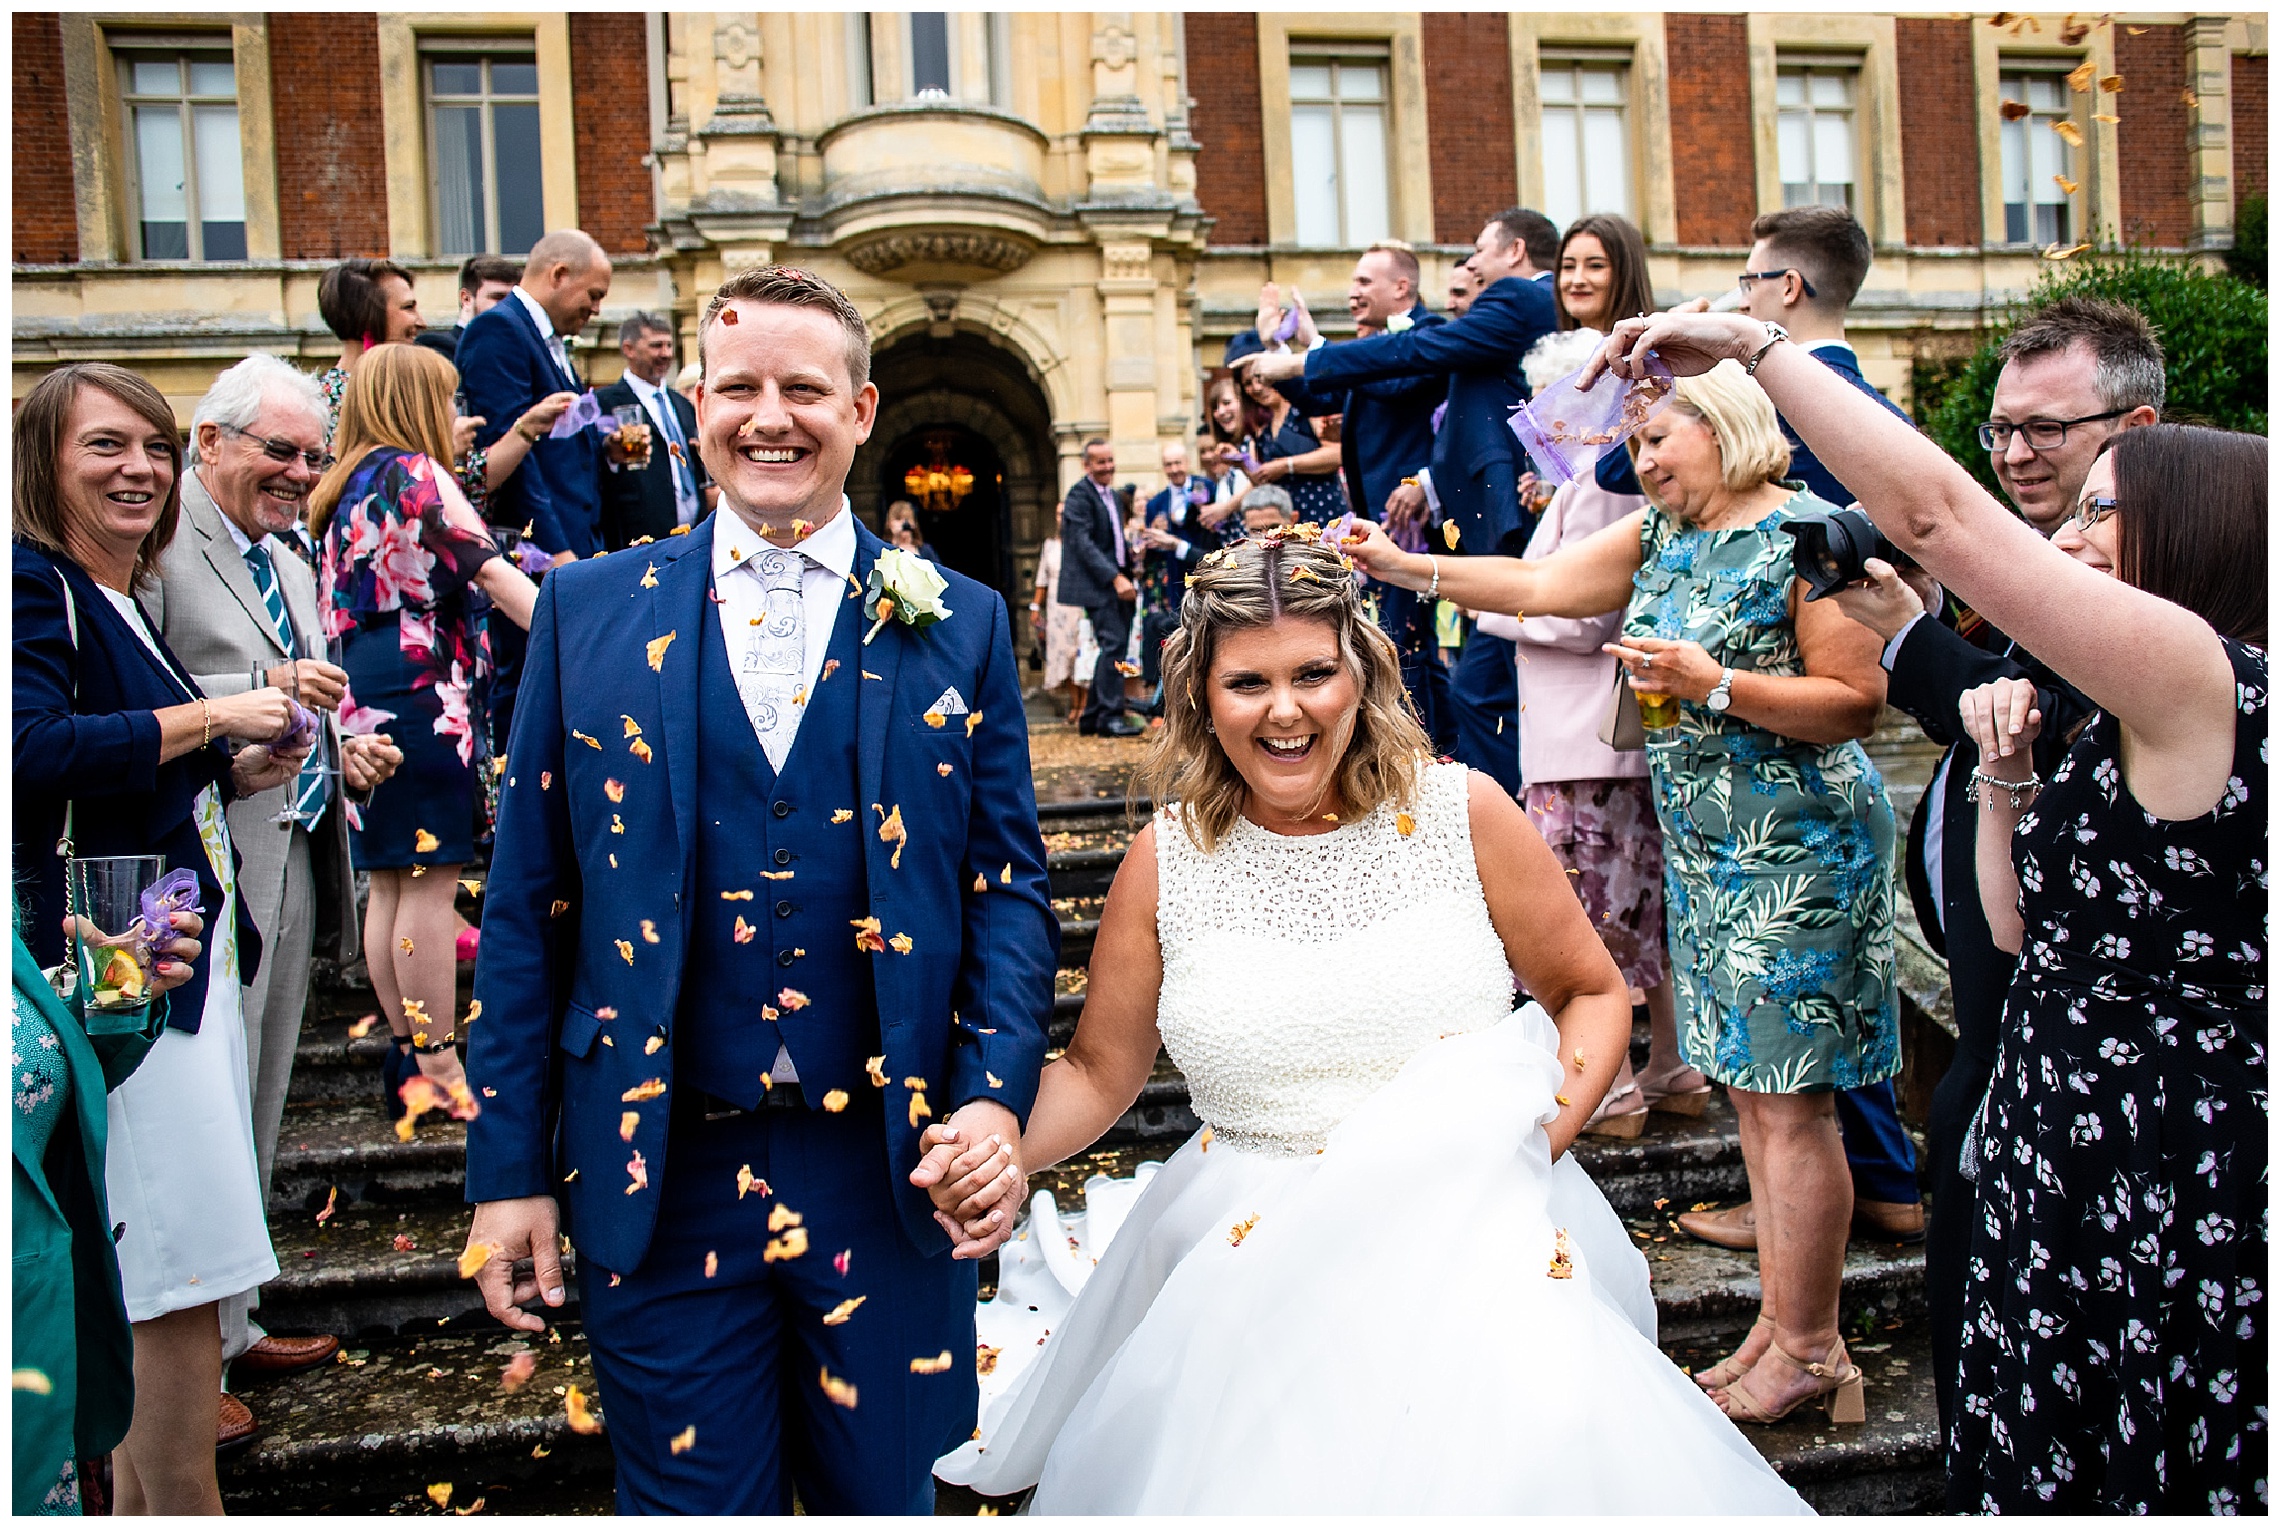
{"x": 1223, "y": 78}
{"x": 2250, "y": 131}
{"x": 332, "y": 169}
{"x": 47, "y": 213}
{"x": 1713, "y": 160}
{"x": 1468, "y": 120}
{"x": 2155, "y": 136}
{"x": 609, "y": 102}
{"x": 1939, "y": 131}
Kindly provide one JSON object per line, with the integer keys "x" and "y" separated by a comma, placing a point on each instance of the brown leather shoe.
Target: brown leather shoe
{"x": 237, "y": 1424}
{"x": 1735, "y": 1228}
{"x": 272, "y": 1356}
{"x": 1882, "y": 1221}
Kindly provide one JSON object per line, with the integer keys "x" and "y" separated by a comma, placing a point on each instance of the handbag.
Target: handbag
{"x": 1622, "y": 728}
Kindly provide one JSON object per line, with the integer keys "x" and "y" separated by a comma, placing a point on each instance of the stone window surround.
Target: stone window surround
{"x": 1409, "y": 169}
{"x": 92, "y": 42}
{"x": 1867, "y": 45}
{"x": 1636, "y": 42}
{"x": 971, "y": 48}
{"x": 403, "y": 110}
{"x": 2096, "y": 212}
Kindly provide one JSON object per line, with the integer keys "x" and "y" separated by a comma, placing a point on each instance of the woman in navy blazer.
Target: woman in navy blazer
{"x": 116, "y": 750}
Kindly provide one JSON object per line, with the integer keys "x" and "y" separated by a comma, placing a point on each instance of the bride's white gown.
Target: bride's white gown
{"x": 1341, "y": 1295}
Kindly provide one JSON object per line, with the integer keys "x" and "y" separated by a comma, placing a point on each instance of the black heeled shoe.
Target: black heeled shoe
{"x": 395, "y": 1068}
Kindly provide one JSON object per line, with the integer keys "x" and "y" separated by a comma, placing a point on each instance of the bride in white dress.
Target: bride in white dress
{"x": 1374, "y": 1282}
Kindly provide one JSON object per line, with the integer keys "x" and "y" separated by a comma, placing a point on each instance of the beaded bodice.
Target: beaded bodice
{"x": 1301, "y": 973}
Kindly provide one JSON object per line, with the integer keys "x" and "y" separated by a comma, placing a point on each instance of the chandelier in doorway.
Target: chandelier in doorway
{"x": 939, "y": 484}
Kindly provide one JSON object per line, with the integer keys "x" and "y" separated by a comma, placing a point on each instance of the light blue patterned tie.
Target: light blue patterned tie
{"x": 677, "y": 449}
{"x": 309, "y": 791}
{"x": 770, "y": 676}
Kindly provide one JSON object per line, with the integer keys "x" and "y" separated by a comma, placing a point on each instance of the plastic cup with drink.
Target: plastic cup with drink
{"x": 632, "y": 434}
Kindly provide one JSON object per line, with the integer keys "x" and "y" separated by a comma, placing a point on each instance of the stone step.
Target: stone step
{"x": 377, "y": 1430}
{"x": 349, "y": 1146}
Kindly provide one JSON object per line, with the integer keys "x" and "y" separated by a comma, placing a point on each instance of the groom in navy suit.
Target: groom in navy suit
{"x": 767, "y": 920}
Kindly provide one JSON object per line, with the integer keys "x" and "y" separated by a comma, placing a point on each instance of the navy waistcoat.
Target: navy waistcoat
{"x": 775, "y": 960}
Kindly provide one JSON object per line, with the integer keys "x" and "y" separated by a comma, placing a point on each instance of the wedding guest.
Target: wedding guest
{"x": 1172, "y": 538}
{"x": 78, "y": 1342}
{"x": 1093, "y": 579}
{"x": 902, "y": 530}
{"x": 1061, "y": 629}
{"x": 1602, "y": 276}
{"x": 1267, "y": 507}
{"x": 669, "y": 491}
{"x": 1290, "y": 451}
{"x": 1463, "y": 287}
{"x": 116, "y": 751}
{"x": 1590, "y": 801}
{"x": 483, "y": 280}
{"x": 241, "y": 615}
{"x": 366, "y": 303}
{"x": 2114, "y": 1361}
{"x": 1227, "y": 419}
{"x": 403, "y": 558}
{"x": 1777, "y": 832}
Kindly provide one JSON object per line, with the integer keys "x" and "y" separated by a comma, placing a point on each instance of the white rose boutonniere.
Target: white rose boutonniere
{"x": 905, "y": 587}
{"x": 1399, "y": 323}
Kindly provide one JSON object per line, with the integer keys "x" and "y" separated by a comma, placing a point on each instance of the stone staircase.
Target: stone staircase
{"x": 414, "y": 1409}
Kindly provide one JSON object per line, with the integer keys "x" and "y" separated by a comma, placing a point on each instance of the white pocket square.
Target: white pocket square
{"x": 951, "y": 703}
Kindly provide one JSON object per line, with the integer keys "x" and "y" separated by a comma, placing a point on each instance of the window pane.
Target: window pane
{"x": 930, "y": 51}
{"x": 514, "y": 77}
{"x": 1310, "y": 81}
{"x": 1557, "y": 86}
{"x": 216, "y": 77}
{"x": 1602, "y": 86}
{"x": 222, "y": 241}
{"x": 458, "y": 79}
{"x": 156, "y": 76}
{"x": 859, "y": 58}
{"x": 1368, "y": 214}
{"x": 2044, "y": 94}
{"x": 1789, "y": 89}
{"x": 1792, "y": 132}
{"x": 1314, "y": 174}
{"x": 221, "y": 169}
{"x": 2015, "y": 222}
{"x": 2048, "y": 155}
{"x": 1832, "y": 149}
{"x": 1830, "y": 89}
{"x": 159, "y": 163}
{"x": 1360, "y": 82}
{"x": 1563, "y": 176}
{"x": 522, "y": 210}
{"x": 1606, "y": 164}
{"x": 2015, "y": 168}
{"x": 459, "y": 180}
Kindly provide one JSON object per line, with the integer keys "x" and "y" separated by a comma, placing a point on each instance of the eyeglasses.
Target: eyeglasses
{"x": 283, "y": 451}
{"x": 2091, "y": 511}
{"x": 1746, "y": 277}
{"x": 2042, "y": 434}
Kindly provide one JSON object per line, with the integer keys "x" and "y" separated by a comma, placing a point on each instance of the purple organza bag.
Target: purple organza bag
{"x": 174, "y": 892}
{"x": 301, "y": 732}
{"x": 1567, "y": 429}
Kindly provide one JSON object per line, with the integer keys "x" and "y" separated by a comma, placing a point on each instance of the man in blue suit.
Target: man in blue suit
{"x": 1477, "y": 460}
{"x": 510, "y": 356}
{"x": 1387, "y": 438}
{"x": 769, "y": 898}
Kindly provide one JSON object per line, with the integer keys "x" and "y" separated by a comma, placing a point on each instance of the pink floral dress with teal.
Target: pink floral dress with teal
{"x": 395, "y": 580}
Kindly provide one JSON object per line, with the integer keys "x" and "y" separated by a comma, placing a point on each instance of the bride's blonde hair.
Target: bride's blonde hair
{"x": 1255, "y": 582}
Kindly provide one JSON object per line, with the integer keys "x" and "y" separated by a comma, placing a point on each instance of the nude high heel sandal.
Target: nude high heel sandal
{"x": 1841, "y": 1390}
{"x": 1731, "y": 1368}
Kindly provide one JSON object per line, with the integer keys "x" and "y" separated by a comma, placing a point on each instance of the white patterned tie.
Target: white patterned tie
{"x": 770, "y": 674}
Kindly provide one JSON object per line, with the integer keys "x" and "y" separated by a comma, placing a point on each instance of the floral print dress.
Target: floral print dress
{"x": 2114, "y": 1356}
{"x": 395, "y": 581}
{"x": 1777, "y": 882}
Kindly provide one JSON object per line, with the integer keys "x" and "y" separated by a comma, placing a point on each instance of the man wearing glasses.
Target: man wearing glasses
{"x": 2074, "y": 376}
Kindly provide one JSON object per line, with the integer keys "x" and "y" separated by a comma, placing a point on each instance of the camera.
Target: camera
{"x": 1832, "y": 548}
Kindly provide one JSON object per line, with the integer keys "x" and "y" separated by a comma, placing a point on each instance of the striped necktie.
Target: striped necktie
{"x": 676, "y": 449}
{"x": 309, "y": 790}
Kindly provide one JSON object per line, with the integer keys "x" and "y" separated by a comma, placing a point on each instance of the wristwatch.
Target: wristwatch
{"x": 1723, "y": 696}
{"x": 1774, "y": 335}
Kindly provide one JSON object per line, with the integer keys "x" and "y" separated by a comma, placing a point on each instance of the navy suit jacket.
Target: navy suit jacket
{"x": 557, "y": 491}
{"x": 87, "y": 737}
{"x": 966, "y": 1008}
{"x": 1388, "y": 423}
{"x": 1476, "y": 458}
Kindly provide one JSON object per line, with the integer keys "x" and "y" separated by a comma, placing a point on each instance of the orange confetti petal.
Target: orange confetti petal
{"x": 840, "y": 1392}
{"x": 332, "y": 1197}
{"x": 1451, "y": 535}
{"x": 638, "y": 1170}
{"x": 934, "y": 718}
{"x": 590, "y": 742}
{"x": 617, "y": 823}
{"x": 2013, "y": 111}
{"x": 649, "y": 931}
{"x": 519, "y": 1370}
{"x": 625, "y": 948}
{"x": 2110, "y": 84}
{"x": 686, "y": 1438}
{"x": 712, "y": 1264}
{"x": 783, "y": 1216}
{"x": 2067, "y": 130}
{"x": 423, "y": 841}
{"x": 868, "y": 939}
{"x": 574, "y": 1407}
{"x": 940, "y": 1364}
{"x": 2080, "y": 79}
{"x": 1005, "y": 876}
{"x": 641, "y": 1092}
{"x": 792, "y": 999}
{"x": 632, "y": 727}
{"x": 919, "y": 1110}
{"x": 900, "y": 944}
{"x": 558, "y": 909}
{"x": 628, "y": 1122}
{"x": 440, "y": 1493}
{"x": 1237, "y": 1232}
{"x": 943, "y": 770}
{"x": 838, "y": 1314}
{"x": 973, "y": 720}
{"x": 835, "y": 1100}
{"x": 614, "y": 789}
{"x": 993, "y": 1079}
{"x": 793, "y": 1243}
{"x": 840, "y": 1262}
{"x": 656, "y": 651}
{"x": 981, "y": 882}
{"x": 641, "y": 749}
{"x": 841, "y": 815}
{"x": 2068, "y": 186}
{"x": 472, "y": 1260}
{"x": 743, "y": 931}
{"x": 746, "y": 1183}
{"x": 985, "y": 1359}
{"x": 649, "y": 577}
{"x": 1404, "y": 824}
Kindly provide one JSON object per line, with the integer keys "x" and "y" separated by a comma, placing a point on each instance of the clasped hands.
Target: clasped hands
{"x": 971, "y": 1169}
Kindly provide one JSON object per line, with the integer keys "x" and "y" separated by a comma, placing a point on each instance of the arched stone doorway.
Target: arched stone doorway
{"x": 978, "y": 404}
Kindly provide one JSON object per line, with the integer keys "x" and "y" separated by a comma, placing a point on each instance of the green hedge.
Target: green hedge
{"x": 2213, "y": 331}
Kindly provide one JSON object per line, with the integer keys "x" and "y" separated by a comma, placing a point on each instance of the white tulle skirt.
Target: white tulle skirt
{"x": 1375, "y": 1328}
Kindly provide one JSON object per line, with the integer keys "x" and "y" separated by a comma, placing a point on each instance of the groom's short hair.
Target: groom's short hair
{"x": 792, "y": 287}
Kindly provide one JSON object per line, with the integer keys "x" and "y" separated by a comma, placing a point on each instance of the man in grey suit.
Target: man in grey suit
{"x": 240, "y": 611}
{"x": 1094, "y": 578}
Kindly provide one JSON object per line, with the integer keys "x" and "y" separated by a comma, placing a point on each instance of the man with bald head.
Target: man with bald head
{"x": 510, "y": 357}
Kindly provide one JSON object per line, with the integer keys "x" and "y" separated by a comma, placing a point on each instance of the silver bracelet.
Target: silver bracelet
{"x": 1434, "y": 592}
{"x": 2019, "y": 792}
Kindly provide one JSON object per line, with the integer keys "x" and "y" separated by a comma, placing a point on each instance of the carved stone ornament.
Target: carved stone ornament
{"x": 984, "y": 251}
{"x": 736, "y": 44}
{"x": 1113, "y": 45}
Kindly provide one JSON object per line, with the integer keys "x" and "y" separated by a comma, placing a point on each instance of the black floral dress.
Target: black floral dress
{"x": 2114, "y": 1352}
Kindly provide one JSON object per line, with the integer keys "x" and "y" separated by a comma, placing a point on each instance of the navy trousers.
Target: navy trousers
{"x": 709, "y": 1334}
{"x": 1485, "y": 693}
{"x": 1877, "y": 1148}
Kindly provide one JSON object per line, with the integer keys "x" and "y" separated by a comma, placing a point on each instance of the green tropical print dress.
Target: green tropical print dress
{"x": 1778, "y": 854}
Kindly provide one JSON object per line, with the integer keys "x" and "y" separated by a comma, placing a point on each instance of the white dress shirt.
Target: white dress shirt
{"x": 667, "y": 427}
{"x": 547, "y": 336}
{"x": 824, "y": 584}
